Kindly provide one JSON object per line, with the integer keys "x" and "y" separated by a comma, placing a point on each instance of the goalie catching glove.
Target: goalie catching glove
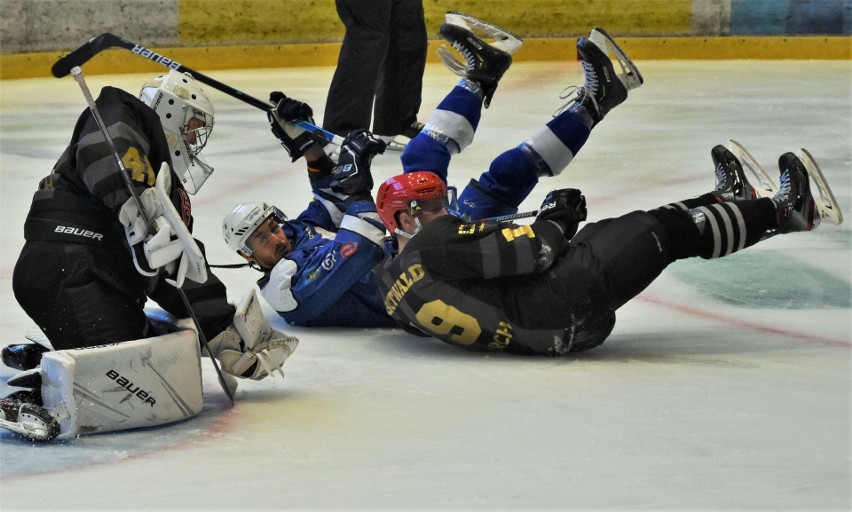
{"x": 251, "y": 348}
{"x": 352, "y": 174}
{"x": 281, "y": 118}
{"x": 566, "y": 208}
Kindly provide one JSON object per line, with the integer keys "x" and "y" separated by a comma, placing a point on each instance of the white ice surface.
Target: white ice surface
{"x": 726, "y": 385}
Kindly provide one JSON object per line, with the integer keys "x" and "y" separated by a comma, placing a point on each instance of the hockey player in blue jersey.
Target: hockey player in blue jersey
{"x": 311, "y": 277}
{"x": 318, "y": 267}
{"x": 513, "y": 174}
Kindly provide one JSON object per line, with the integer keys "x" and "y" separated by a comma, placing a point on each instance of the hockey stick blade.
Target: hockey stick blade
{"x": 829, "y": 210}
{"x": 765, "y": 186}
{"x": 84, "y": 54}
{"x": 107, "y": 40}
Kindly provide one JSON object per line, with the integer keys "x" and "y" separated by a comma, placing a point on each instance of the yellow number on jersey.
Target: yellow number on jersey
{"x": 442, "y": 319}
{"x": 139, "y": 167}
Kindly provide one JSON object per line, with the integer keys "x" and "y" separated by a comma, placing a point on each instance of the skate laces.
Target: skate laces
{"x": 721, "y": 177}
{"x": 591, "y": 83}
{"x": 786, "y": 186}
{"x": 467, "y": 54}
{"x": 574, "y": 93}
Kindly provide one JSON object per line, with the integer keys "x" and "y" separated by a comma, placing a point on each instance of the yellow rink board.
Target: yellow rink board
{"x": 204, "y": 58}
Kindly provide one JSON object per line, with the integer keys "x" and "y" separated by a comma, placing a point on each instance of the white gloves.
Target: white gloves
{"x": 251, "y": 348}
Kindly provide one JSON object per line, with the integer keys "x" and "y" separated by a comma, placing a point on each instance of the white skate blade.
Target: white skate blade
{"x": 33, "y": 426}
{"x": 503, "y": 39}
{"x": 764, "y": 187}
{"x": 826, "y": 204}
{"x": 34, "y": 431}
{"x": 630, "y": 75}
{"x": 451, "y": 61}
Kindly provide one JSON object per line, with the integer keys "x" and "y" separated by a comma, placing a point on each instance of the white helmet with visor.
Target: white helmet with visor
{"x": 187, "y": 118}
{"x": 244, "y": 220}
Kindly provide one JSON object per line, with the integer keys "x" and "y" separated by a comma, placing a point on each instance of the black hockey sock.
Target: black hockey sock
{"x": 688, "y": 204}
{"x": 684, "y": 238}
{"x": 732, "y": 226}
{"x": 716, "y": 229}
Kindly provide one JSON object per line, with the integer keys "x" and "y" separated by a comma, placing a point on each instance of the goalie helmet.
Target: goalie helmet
{"x": 407, "y": 192}
{"x": 242, "y": 222}
{"x": 187, "y": 118}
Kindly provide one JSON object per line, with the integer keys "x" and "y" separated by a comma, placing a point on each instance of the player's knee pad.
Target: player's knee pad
{"x": 140, "y": 383}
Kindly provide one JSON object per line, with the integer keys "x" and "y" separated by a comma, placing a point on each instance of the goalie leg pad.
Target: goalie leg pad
{"x": 140, "y": 383}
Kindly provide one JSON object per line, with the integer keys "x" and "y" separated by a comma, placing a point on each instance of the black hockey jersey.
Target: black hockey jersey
{"x": 486, "y": 286}
{"x": 75, "y": 211}
{"x": 86, "y": 191}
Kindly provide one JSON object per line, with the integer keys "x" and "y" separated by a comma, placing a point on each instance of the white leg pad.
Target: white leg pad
{"x": 139, "y": 383}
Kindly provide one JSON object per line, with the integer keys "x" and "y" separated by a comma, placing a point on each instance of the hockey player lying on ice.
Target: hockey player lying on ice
{"x": 90, "y": 262}
{"x": 318, "y": 269}
{"x": 548, "y": 289}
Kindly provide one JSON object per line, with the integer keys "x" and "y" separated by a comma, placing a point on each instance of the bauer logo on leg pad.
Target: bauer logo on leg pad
{"x": 140, "y": 383}
{"x": 140, "y": 393}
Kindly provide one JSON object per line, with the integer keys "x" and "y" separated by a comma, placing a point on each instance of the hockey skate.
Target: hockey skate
{"x": 765, "y": 185}
{"x": 797, "y": 208}
{"x": 485, "y": 62}
{"x": 629, "y": 75}
{"x": 731, "y": 182}
{"x": 23, "y": 356}
{"x": 394, "y": 144}
{"x": 22, "y": 414}
{"x": 603, "y": 89}
{"x": 794, "y": 202}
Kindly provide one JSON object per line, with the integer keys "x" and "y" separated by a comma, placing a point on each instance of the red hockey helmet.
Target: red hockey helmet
{"x": 406, "y": 192}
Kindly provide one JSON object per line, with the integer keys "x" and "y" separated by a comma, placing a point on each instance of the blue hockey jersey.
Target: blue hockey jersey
{"x": 328, "y": 278}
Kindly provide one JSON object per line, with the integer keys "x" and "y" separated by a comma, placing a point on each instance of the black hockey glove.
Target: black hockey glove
{"x": 565, "y": 207}
{"x": 352, "y": 174}
{"x": 294, "y": 139}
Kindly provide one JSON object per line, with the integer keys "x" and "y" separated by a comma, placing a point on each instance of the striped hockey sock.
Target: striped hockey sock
{"x": 729, "y": 227}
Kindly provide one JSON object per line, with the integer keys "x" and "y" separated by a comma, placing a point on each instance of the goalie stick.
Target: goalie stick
{"x": 77, "y": 73}
{"x": 107, "y": 40}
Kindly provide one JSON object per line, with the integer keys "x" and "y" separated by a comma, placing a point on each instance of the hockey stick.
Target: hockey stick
{"x": 77, "y": 73}
{"x": 511, "y": 216}
{"x": 105, "y": 41}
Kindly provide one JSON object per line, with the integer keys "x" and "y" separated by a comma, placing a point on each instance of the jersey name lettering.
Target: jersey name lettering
{"x": 410, "y": 276}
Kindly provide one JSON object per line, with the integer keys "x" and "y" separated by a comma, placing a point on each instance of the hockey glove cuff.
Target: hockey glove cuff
{"x": 281, "y": 119}
{"x": 352, "y": 174}
{"x": 566, "y": 208}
